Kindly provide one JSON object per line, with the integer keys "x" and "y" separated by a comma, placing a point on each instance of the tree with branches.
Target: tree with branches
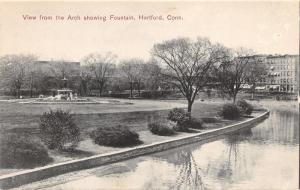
{"x": 188, "y": 64}
{"x": 256, "y": 72}
{"x": 132, "y": 70}
{"x": 141, "y": 72}
{"x": 85, "y": 80}
{"x": 152, "y": 75}
{"x": 14, "y": 70}
{"x": 233, "y": 71}
{"x": 101, "y": 67}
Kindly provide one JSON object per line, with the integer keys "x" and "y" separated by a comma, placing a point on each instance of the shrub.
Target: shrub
{"x": 192, "y": 122}
{"x": 230, "y": 111}
{"x": 181, "y": 128}
{"x": 160, "y": 129}
{"x": 177, "y": 114}
{"x": 183, "y": 120}
{"x": 58, "y": 130}
{"x": 117, "y": 136}
{"x": 22, "y": 152}
{"x": 245, "y": 107}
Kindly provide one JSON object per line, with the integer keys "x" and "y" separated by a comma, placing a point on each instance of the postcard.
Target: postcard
{"x": 149, "y": 95}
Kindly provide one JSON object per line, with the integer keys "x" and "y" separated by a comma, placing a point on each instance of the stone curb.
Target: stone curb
{"x": 32, "y": 175}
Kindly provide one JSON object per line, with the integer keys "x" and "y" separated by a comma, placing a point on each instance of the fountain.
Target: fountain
{"x": 65, "y": 95}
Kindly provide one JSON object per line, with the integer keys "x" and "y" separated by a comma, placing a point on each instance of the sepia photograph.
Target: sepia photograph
{"x": 149, "y": 95}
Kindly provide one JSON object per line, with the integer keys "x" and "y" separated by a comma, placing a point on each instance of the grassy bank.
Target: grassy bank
{"x": 25, "y": 121}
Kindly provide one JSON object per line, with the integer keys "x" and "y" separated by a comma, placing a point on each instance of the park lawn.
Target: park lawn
{"x": 28, "y": 124}
{"x": 20, "y": 118}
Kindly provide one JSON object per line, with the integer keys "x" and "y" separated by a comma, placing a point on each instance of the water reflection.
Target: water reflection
{"x": 282, "y": 127}
{"x": 189, "y": 173}
{"x": 265, "y": 156}
{"x": 230, "y": 165}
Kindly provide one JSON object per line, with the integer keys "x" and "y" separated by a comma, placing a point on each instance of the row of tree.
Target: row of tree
{"x": 182, "y": 63}
{"x": 96, "y": 72}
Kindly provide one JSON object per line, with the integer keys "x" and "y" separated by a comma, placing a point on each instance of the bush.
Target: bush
{"x": 184, "y": 120}
{"x": 160, "y": 129}
{"x": 245, "y": 107}
{"x": 118, "y": 136}
{"x": 22, "y": 152}
{"x": 177, "y": 114}
{"x": 181, "y": 128}
{"x": 192, "y": 122}
{"x": 58, "y": 130}
{"x": 230, "y": 111}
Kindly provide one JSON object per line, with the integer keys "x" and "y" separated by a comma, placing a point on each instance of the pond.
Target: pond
{"x": 264, "y": 157}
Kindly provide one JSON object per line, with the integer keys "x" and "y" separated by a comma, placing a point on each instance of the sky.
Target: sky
{"x": 265, "y": 27}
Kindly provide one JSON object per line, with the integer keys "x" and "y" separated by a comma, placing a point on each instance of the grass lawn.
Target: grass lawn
{"x": 24, "y": 119}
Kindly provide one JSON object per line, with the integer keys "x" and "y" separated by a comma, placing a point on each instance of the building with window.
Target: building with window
{"x": 283, "y": 73}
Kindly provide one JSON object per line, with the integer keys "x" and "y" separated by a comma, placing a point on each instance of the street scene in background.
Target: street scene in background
{"x": 149, "y": 95}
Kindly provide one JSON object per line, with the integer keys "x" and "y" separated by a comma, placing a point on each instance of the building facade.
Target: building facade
{"x": 283, "y": 73}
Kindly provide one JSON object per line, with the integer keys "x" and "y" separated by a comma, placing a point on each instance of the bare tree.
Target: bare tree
{"x": 140, "y": 73}
{"x": 188, "y": 64}
{"x": 146, "y": 73}
{"x": 232, "y": 72}
{"x": 63, "y": 69}
{"x": 101, "y": 68}
{"x": 14, "y": 69}
{"x": 152, "y": 75}
{"x": 132, "y": 71}
{"x": 85, "y": 79}
{"x": 32, "y": 77}
{"x": 256, "y": 73}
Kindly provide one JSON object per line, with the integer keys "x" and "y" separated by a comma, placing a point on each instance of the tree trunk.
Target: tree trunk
{"x": 252, "y": 90}
{"x": 100, "y": 92}
{"x": 234, "y": 98}
{"x": 31, "y": 92}
{"x": 100, "y": 85}
{"x": 139, "y": 89}
{"x": 31, "y": 85}
{"x": 189, "y": 110}
{"x": 31, "y": 89}
{"x": 85, "y": 88}
{"x": 18, "y": 93}
{"x": 131, "y": 89}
